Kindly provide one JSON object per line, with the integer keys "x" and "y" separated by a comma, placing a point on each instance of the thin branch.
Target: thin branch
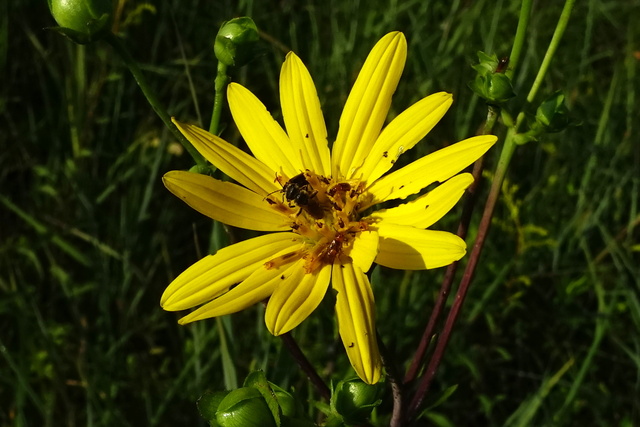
{"x": 463, "y": 227}
{"x": 306, "y": 366}
{"x": 393, "y": 376}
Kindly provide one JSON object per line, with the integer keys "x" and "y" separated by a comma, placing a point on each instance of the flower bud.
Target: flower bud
{"x": 490, "y": 82}
{"x": 244, "y": 407}
{"x": 83, "y": 21}
{"x": 236, "y": 41}
{"x": 354, "y": 399}
{"x": 553, "y": 115}
{"x": 288, "y": 404}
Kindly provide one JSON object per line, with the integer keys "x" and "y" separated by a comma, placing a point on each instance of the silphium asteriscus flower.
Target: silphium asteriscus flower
{"x": 319, "y": 204}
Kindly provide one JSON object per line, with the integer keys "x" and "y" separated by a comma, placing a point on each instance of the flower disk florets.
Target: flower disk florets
{"x": 325, "y": 212}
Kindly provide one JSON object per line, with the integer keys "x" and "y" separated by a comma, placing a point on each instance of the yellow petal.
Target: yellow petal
{"x": 295, "y": 297}
{"x": 237, "y": 164}
{"x": 426, "y": 210}
{"x": 355, "y": 309}
{"x": 225, "y": 202}
{"x": 409, "y": 248}
{"x": 214, "y": 274}
{"x": 435, "y": 167}
{"x": 264, "y": 136}
{"x": 303, "y": 116}
{"x": 365, "y": 249}
{"x": 257, "y": 287}
{"x": 402, "y": 134}
{"x": 368, "y": 104}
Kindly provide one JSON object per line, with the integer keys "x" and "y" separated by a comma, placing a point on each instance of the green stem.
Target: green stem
{"x": 148, "y": 92}
{"x": 548, "y": 56}
{"x": 521, "y": 33}
{"x": 218, "y": 101}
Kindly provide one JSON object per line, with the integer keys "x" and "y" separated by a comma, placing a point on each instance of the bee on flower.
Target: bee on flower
{"x": 318, "y": 202}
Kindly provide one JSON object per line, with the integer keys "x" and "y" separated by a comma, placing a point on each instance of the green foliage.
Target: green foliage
{"x": 89, "y": 238}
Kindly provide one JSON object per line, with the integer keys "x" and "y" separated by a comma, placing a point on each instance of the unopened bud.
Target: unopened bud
{"x": 244, "y": 407}
{"x": 553, "y": 115}
{"x": 491, "y": 83}
{"x": 354, "y": 400}
{"x": 236, "y": 41}
{"x": 83, "y": 21}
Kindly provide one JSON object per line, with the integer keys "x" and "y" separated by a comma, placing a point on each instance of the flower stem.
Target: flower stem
{"x": 483, "y": 229}
{"x": 563, "y": 21}
{"x": 148, "y": 92}
{"x": 222, "y": 79}
{"x": 492, "y": 116}
{"x": 521, "y": 34}
{"x": 306, "y": 366}
{"x": 397, "y": 417}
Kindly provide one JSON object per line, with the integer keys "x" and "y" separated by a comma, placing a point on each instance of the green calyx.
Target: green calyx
{"x": 83, "y": 21}
{"x": 236, "y": 41}
{"x": 552, "y": 115}
{"x": 491, "y": 82}
{"x": 354, "y": 400}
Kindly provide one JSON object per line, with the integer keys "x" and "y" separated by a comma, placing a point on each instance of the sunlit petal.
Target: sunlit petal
{"x": 435, "y": 167}
{"x": 257, "y": 287}
{"x": 409, "y": 248}
{"x": 264, "y": 136}
{"x": 368, "y": 104}
{"x": 295, "y": 298}
{"x": 303, "y": 116}
{"x": 355, "y": 309}
{"x": 426, "y": 210}
{"x": 402, "y": 134}
{"x": 365, "y": 249}
{"x": 225, "y": 202}
{"x": 235, "y": 163}
{"x": 214, "y": 274}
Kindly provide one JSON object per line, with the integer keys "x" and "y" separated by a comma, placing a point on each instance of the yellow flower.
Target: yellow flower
{"x": 319, "y": 203}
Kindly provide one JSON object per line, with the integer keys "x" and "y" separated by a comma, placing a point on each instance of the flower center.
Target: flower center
{"x": 325, "y": 212}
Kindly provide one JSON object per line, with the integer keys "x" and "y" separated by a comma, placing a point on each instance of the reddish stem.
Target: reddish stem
{"x": 445, "y": 288}
{"x": 467, "y": 277}
{"x": 306, "y": 366}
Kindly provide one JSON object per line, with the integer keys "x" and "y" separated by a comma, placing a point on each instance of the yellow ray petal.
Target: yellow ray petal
{"x": 257, "y": 287}
{"x": 295, "y": 297}
{"x": 225, "y": 202}
{"x": 435, "y": 167}
{"x": 409, "y": 248}
{"x": 303, "y": 116}
{"x": 214, "y": 274}
{"x": 355, "y": 309}
{"x": 426, "y": 210}
{"x": 237, "y": 164}
{"x": 402, "y": 134}
{"x": 368, "y": 104}
{"x": 264, "y": 136}
{"x": 365, "y": 249}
